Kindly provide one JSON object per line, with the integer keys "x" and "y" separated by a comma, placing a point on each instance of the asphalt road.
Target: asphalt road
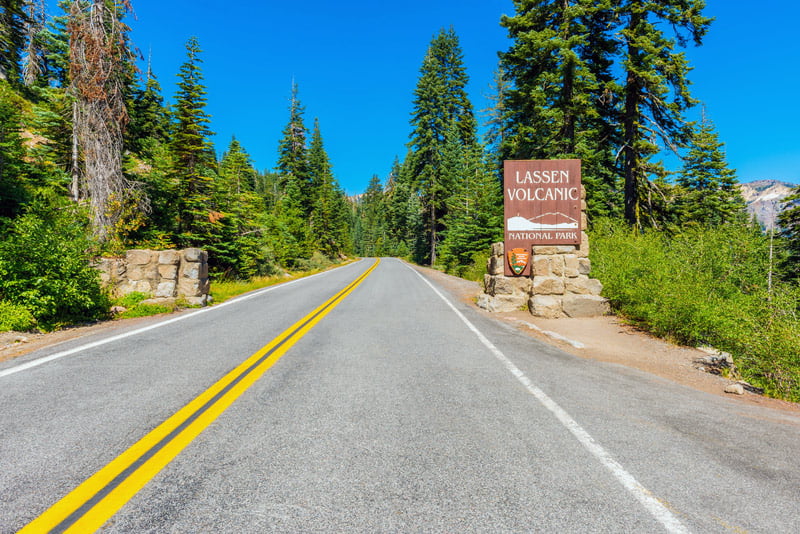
{"x": 400, "y": 410}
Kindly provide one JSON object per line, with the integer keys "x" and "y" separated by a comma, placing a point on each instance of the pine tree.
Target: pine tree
{"x": 13, "y": 169}
{"x": 13, "y": 22}
{"x": 708, "y": 192}
{"x": 289, "y": 226}
{"x": 440, "y": 102}
{"x": 474, "y": 217}
{"x": 192, "y": 150}
{"x": 55, "y": 42}
{"x": 396, "y": 193}
{"x": 236, "y": 169}
{"x": 235, "y": 243}
{"x": 149, "y": 117}
{"x": 789, "y": 221}
{"x": 293, "y": 157}
{"x": 496, "y": 116}
{"x": 373, "y": 221}
{"x": 560, "y": 98}
{"x": 329, "y": 229}
{"x": 656, "y": 89}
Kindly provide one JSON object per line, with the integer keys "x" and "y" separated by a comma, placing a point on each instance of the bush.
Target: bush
{"x": 474, "y": 270}
{"x": 15, "y": 317}
{"x": 706, "y": 286}
{"x": 45, "y": 268}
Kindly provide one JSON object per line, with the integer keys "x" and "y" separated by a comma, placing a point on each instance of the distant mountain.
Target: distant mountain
{"x": 765, "y": 199}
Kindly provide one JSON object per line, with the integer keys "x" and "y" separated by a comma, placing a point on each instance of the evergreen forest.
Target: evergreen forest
{"x": 96, "y": 160}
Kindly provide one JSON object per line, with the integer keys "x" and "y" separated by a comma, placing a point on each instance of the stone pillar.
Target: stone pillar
{"x": 559, "y": 285}
{"x": 166, "y": 275}
{"x": 503, "y": 293}
{"x": 193, "y": 282}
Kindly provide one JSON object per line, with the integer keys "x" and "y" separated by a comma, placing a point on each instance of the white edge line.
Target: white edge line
{"x": 642, "y": 494}
{"x": 235, "y": 300}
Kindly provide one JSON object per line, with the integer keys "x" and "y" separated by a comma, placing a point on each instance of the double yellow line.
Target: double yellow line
{"x": 90, "y": 505}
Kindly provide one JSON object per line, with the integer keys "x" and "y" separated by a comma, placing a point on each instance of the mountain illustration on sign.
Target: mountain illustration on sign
{"x": 546, "y": 221}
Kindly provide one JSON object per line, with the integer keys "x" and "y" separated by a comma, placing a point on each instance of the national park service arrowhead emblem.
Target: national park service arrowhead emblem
{"x": 518, "y": 260}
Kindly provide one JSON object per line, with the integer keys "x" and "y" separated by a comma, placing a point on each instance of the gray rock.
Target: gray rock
{"x": 169, "y": 257}
{"x": 546, "y": 306}
{"x": 192, "y": 255}
{"x": 734, "y": 389}
{"x": 505, "y": 285}
{"x": 585, "y": 305}
{"x": 583, "y": 285}
{"x": 502, "y": 303}
{"x": 138, "y": 257}
{"x": 197, "y": 301}
{"x": 166, "y": 289}
{"x": 168, "y": 271}
{"x": 584, "y": 266}
{"x": 548, "y": 285}
{"x": 496, "y": 265}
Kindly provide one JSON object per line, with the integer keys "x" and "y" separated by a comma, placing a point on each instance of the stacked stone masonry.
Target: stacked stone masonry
{"x": 559, "y": 285}
{"x": 168, "y": 275}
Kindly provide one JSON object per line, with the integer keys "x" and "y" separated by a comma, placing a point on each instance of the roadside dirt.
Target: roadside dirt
{"x": 16, "y": 344}
{"x": 606, "y": 339}
{"x": 609, "y": 339}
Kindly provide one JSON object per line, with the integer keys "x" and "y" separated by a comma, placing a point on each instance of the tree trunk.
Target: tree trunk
{"x": 630, "y": 128}
{"x": 433, "y": 229}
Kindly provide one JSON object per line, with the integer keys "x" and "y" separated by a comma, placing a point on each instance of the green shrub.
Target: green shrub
{"x": 15, "y": 317}
{"x": 706, "y": 286}
{"x": 45, "y": 268}
{"x": 475, "y": 269}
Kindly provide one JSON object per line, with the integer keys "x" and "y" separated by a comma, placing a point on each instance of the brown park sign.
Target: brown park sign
{"x": 542, "y": 205}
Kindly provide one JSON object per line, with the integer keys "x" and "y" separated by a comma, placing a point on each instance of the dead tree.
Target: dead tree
{"x": 33, "y": 65}
{"x": 99, "y": 57}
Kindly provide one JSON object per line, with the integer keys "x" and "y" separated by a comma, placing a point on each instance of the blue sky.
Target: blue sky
{"x": 357, "y": 63}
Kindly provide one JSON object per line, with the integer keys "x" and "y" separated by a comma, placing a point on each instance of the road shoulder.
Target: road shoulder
{"x": 609, "y": 339}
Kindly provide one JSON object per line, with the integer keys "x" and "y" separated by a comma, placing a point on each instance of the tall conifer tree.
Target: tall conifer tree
{"x": 293, "y": 157}
{"x": 656, "y": 89}
{"x": 192, "y": 149}
{"x": 560, "y": 99}
{"x": 329, "y": 229}
{"x": 789, "y": 221}
{"x": 708, "y": 192}
{"x": 440, "y": 103}
{"x": 34, "y": 61}
{"x": 149, "y": 116}
{"x": 474, "y": 209}
{"x": 13, "y": 23}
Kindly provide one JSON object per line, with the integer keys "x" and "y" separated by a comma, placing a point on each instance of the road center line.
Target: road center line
{"x": 105, "y": 341}
{"x": 642, "y": 494}
{"x": 91, "y": 504}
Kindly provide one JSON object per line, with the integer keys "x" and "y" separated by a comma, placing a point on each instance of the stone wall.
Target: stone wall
{"x": 167, "y": 275}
